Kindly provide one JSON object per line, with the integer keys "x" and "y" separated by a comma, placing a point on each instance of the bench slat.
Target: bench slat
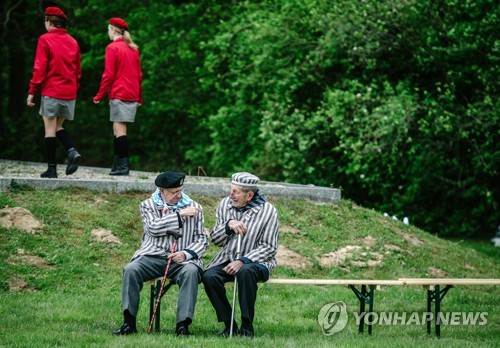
{"x": 400, "y": 281}
{"x": 449, "y": 281}
{"x": 335, "y": 281}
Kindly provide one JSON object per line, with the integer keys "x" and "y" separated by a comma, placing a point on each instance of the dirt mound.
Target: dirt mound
{"x": 289, "y": 229}
{"x": 412, "y": 239}
{"x": 434, "y": 272}
{"x": 290, "y": 258}
{"x": 340, "y": 256}
{"x": 19, "y": 218}
{"x": 25, "y": 259}
{"x": 17, "y": 283}
{"x": 104, "y": 236}
{"x": 364, "y": 255}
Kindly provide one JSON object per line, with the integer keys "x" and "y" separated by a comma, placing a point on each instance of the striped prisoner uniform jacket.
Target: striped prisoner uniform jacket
{"x": 258, "y": 245}
{"x": 156, "y": 224}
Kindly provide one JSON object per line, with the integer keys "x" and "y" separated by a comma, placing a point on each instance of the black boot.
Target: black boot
{"x": 73, "y": 159}
{"x": 114, "y": 165}
{"x": 51, "y": 172}
{"x": 121, "y": 167}
{"x": 182, "y": 328}
{"x": 226, "y": 332}
{"x": 129, "y": 325}
{"x": 125, "y": 329}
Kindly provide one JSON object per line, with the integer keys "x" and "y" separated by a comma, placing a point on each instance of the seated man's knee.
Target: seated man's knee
{"x": 208, "y": 276}
{"x": 190, "y": 270}
{"x": 247, "y": 271}
{"x": 130, "y": 268}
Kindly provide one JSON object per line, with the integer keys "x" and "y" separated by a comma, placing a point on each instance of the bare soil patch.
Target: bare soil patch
{"x": 26, "y": 259}
{"x": 102, "y": 235}
{"x": 289, "y": 229}
{"x": 434, "y": 272}
{"x": 410, "y": 238}
{"x": 19, "y": 218}
{"x": 291, "y": 258}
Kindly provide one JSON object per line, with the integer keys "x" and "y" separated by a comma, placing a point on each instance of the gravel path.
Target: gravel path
{"x": 20, "y": 169}
{"x": 28, "y": 173}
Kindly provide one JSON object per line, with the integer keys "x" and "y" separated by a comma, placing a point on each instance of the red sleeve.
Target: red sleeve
{"x": 40, "y": 66}
{"x": 108, "y": 75}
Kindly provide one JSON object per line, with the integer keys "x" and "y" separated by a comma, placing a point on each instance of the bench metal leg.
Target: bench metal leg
{"x": 155, "y": 290}
{"x": 436, "y": 296}
{"x": 364, "y": 296}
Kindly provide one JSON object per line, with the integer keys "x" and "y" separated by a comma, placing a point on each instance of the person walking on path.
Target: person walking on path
{"x": 122, "y": 82}
{"x": 57, "y": 72}
{"x": 244, "y": 212}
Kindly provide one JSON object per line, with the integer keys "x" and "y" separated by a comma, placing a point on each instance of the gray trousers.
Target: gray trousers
{"x": 186, "y": 276}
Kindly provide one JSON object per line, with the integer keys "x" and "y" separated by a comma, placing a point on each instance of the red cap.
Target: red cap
{"x": 119, "y": 23}
{"x": 55, "y": 11}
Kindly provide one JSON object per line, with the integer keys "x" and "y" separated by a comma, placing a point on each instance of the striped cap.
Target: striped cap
{"x": 244, "y": 179}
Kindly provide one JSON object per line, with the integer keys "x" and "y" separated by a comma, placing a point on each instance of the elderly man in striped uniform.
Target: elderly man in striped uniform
{"x": 168, "y": 212}
{"x": 244, "y": 212}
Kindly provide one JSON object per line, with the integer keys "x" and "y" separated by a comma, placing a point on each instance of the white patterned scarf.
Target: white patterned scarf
{"x": 183, "y": 202}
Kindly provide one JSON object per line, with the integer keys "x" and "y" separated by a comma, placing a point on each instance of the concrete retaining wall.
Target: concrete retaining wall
{"x": 193, "y": 186}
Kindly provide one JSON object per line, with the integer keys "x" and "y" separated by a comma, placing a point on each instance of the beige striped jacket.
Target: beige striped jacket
{"x": 259, "y": 244}
{"x": 155, "y": 240}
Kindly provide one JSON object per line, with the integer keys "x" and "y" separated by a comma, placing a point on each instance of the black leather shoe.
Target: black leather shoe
{"x": 227, "y": 331}
{"x": 126, "y": 329}
{"x": 246, "y": 333}
{"x": 182, "y": 331}
{"x": 73, "y": 159}
{"x": 51, "y": 172}
{"x": 121, "y": 167}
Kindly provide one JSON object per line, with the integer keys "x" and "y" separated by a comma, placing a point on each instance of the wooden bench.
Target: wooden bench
{"x": 364, "y": 289}
{"x": 366, "y": 292}
{"x": 436, "y": 294}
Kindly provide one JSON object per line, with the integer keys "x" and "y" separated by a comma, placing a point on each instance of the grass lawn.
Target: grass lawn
{"x": 71, "y": 297}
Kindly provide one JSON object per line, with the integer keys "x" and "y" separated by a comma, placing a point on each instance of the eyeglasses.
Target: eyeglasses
{"x": 175, "y": 193}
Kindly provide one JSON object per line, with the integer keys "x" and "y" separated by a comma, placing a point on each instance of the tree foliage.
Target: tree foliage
{"x": 396, "y": 102}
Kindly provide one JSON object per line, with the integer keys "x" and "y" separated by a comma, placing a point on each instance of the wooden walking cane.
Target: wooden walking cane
{"x": 238, "y": 251}
{"x": 163, "y": 280}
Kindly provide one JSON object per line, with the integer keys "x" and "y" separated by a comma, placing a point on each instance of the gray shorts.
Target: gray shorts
{"x": 52, "y": 108}
{"x": 120, "y": 111}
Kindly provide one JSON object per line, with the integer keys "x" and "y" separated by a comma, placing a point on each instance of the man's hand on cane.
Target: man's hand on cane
{"x": 178, "y": 257}
{"x": 241, "y": 229}
{"x": 233, "y": 267}
{"x": 238, "y": 227}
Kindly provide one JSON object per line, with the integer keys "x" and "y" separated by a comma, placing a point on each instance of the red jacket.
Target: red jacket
{"x": 57, "y": 67}
{"x": 122, "y": 76}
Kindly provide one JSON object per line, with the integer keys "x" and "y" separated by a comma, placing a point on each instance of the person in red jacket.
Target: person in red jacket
{"x": 57, "y": 71}
{"x": 121, "y": 81}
